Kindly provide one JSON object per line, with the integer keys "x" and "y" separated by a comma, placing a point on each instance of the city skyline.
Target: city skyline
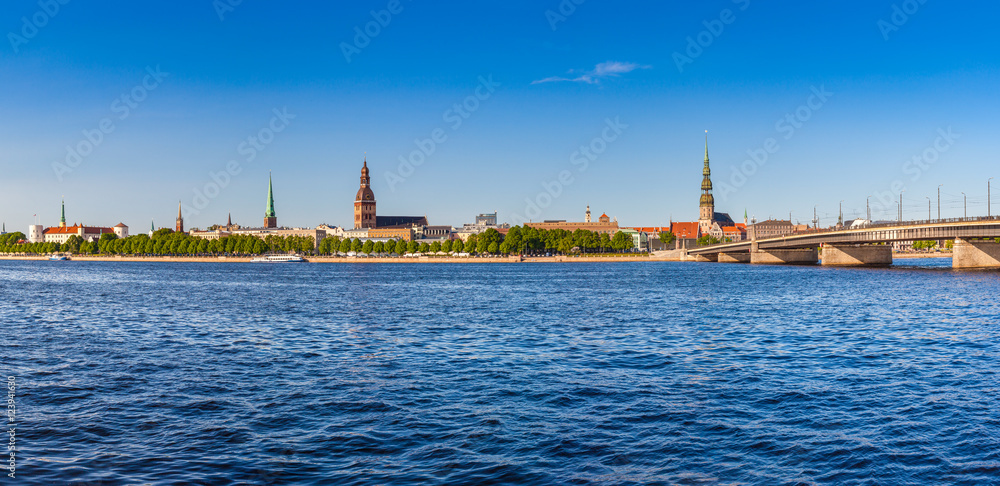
{"x": 866, "y": 96}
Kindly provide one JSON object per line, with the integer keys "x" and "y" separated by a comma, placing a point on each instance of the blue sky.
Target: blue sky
{"x": 623, "y": 79}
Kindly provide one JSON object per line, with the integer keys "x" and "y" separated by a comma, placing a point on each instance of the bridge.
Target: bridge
{"x": 864, "y": 246}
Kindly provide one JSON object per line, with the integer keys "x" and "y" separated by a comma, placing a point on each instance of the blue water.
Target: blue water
{"x": 616, "y": 373}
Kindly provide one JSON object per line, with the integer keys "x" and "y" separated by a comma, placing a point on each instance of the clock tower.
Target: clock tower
{"x": 364, "y": 203}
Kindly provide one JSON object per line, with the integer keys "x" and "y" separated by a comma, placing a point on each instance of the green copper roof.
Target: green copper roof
{"x": 63, "y": 219}
{"x": 269, "y": 213}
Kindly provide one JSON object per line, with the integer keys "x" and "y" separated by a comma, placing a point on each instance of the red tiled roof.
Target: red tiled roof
{"x": 75, "y": 229}
{"x": 121, "y": 225}
{"x": 685, "y": 230}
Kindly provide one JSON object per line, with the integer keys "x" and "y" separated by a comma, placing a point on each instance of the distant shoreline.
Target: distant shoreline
{"x": 673, "y": 257}
{"x": 321, "y": 259}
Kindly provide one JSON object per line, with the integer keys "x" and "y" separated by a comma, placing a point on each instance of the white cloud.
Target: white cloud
{"x": 601, "y": 71}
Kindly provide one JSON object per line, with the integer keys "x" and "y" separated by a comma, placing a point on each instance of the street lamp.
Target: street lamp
{"x": 988, "y": 196}
{"x": 928, "y": 208}
{"x": 868, "y": 207}
{"x": 901, "y": 206}
{"x": 815, "y": 219}
{"x": 966, "y": 203}
{"x": 840, "y": 219}
{"x": 939, "y": 201}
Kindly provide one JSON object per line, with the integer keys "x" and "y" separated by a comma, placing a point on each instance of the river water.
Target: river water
{"x": 590, "y": 373}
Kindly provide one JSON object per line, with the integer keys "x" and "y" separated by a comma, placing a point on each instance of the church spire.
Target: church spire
{"x": 706, "y": 212}
{"x": 270, "y": 218}
{"x": 62, "y": 220}
{"x": 180, "y": 219}
{"x": 269, "y": 212}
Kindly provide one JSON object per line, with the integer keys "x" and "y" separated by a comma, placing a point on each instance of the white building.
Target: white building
{"x": 121, "y": 231}
{"x": 36, "y": 233}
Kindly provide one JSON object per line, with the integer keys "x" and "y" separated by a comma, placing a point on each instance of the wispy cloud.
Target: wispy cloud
{"x": 601, "y": 71}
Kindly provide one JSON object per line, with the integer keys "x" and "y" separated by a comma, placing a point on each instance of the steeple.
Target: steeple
{"x": 706, "y": 183}
{"x": 62, "y": 220}
{"x": 366, "y": 181}
{"x": 229, "y": 221}
{"x": 587, "y": 218}
{"x": 270, "y": 218}
{"x": 180, "y": 219}
{"x": 706, "y": 212}
{"x": 364, "y": 202}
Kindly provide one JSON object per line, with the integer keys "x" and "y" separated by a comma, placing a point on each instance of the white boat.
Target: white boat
{"x": 58, "y": 258}
{"x": 278, "y": 259}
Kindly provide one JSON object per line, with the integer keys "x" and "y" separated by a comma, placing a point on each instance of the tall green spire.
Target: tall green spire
{"x": 269, "y": 213}
{"x": 706, "y": 183}
{"x": 151, "y": 227}
{"x": 62, "y": 220}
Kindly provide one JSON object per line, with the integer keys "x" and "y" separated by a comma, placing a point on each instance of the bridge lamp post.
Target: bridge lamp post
{"x": 939, "y": 201}
{"x": 966, "y": 204}
{"x": 868, "y": 207}
{"x": 928, "y": 208}
{"x": 901, "y": 206}
{"x": 841, "y": 217}
{"x": 988, "y": 196}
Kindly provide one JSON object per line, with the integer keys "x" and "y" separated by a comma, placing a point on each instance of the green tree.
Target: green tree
{"x": 458, "y": 246}
{"x": 413, "y": 247}
{"x": 621, "y": 241}
{"x": 436, "y": 247}
{"x": 705, "y": 240}
{"x": 357, "y": 245}
{"x": 368, "y": 247}
{"x": 73, "y": 244}
{"x": 667, "y": 238}
{"x": 345, "y": 245}
{"x": 493, "y": 249}
{"x": 446, "y": 246}
{"x": 401, "y": 247}
{"x": 605, "y": 241}
{"x": 514, "y": 239}
{"x": 424, "y": 248}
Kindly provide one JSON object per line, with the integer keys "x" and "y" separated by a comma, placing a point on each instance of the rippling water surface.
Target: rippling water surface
{"x": 617, "y": 373}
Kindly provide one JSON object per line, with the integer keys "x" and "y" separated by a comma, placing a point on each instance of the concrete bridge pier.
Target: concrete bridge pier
{"x": 785, "y": 257}
{"x": 857, "y": 255}
{"x": 734, "y": 257}
{"x": 710, "y": 257}
{"x": 975, "y": 254}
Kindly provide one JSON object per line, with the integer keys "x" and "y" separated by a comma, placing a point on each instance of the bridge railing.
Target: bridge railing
{"x": 885, "y": 224}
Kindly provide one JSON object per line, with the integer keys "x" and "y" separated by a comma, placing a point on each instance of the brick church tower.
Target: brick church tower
{"x": 364, "y": 203}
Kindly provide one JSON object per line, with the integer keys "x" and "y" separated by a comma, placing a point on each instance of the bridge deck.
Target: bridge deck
{"x": 887, "y": 233}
